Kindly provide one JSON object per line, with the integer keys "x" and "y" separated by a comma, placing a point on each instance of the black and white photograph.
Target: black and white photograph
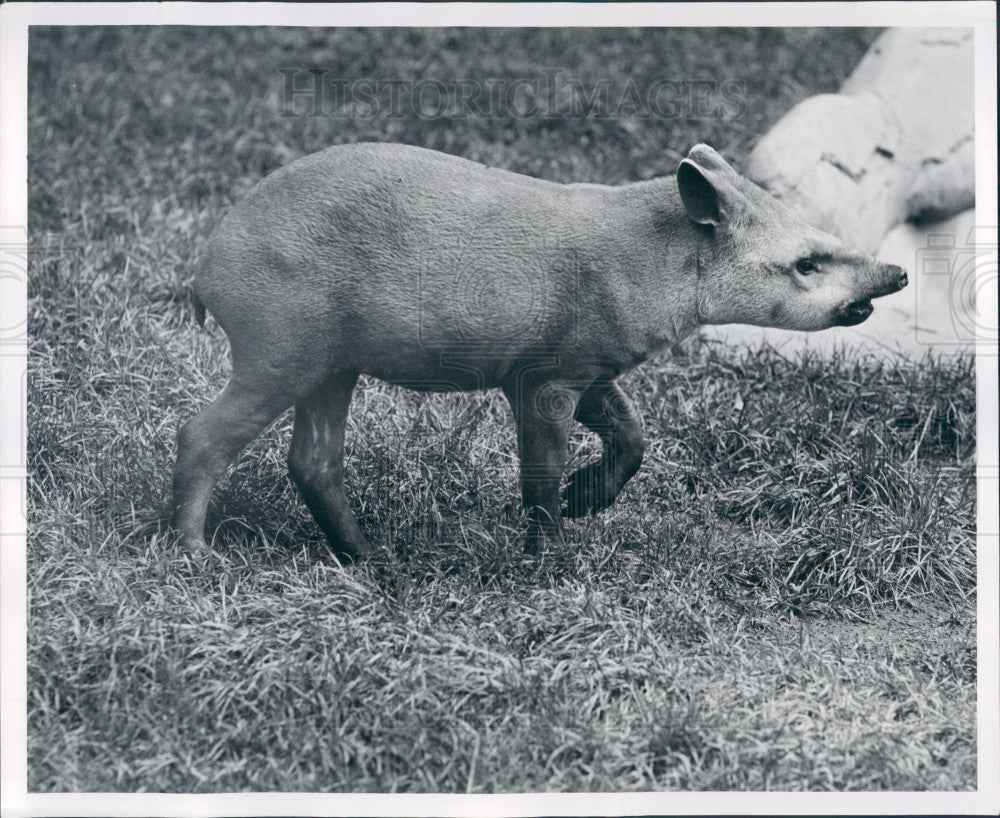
{"x": 499, "y": 408}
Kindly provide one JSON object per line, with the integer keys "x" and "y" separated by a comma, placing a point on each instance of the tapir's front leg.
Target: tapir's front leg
{"x": 316, "y": 462}
{"x": 543, "y": 415}
{"x": 606, "y": 411}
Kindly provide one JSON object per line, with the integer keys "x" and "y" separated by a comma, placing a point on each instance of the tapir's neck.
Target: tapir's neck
{"x": 653, "y": 250}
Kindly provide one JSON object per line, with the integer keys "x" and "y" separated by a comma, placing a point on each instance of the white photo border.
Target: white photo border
{"x": 15, "y": 18}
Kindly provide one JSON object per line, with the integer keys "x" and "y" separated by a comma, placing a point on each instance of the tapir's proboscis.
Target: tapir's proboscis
{"x": 438, "y": 273}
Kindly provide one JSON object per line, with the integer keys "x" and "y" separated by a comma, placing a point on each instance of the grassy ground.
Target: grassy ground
{"x": 783, "y": 597}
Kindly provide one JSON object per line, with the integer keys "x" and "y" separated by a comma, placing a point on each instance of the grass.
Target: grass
{"x": 783, "y": 598}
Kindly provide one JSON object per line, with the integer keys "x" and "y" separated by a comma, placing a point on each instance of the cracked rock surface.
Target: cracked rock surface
{"x": 895, "y": 145}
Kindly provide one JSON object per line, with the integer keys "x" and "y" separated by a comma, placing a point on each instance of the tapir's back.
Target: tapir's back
{"x": 382, "y": 197}
{"x": 403, "y": 244}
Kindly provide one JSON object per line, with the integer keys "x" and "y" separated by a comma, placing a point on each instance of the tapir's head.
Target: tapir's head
{"x": 763, "y": 265}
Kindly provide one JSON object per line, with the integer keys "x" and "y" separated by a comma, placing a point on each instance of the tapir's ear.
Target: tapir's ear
{"x": 708, "y": 195}
{"x": 699, "y": 197}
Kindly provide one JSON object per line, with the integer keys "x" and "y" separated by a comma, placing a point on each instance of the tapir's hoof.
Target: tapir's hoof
{"x": 534, "y": 542}
{"x": 194, "y": 551}
{"x": 540, "y": 535}
{"x": 194, "y": 545}
{"x": 585, "y": 492}
{"x": 353, "y": 551}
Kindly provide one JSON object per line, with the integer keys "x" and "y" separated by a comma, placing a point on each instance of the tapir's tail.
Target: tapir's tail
{"x": 199, "y": 309}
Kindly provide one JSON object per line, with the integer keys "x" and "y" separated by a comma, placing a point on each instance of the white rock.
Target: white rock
{"x": 895, "y": 144}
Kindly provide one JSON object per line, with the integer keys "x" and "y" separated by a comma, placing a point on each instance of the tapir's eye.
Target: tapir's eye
{"x": 805, "y": 266}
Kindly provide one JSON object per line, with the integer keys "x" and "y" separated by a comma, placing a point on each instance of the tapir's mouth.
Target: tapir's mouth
{"x": 854, "y": 313}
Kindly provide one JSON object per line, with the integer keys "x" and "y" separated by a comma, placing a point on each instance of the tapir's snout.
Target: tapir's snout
{"x": 902, "y": 279}
{"x": 890, "y": 279}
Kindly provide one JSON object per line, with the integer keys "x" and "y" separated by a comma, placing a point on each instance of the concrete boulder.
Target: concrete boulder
{"x": 895, "y": 145}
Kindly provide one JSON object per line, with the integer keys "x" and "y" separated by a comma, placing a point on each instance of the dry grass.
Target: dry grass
{"x": 783, "y": 598}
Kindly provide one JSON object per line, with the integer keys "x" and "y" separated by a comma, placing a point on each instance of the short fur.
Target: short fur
{"x": 435, "y": 272}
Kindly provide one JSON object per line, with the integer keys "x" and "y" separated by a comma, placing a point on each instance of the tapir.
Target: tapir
{"x": 439, "y": 273}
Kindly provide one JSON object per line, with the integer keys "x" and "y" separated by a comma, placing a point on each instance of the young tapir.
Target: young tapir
{"x": 438, "y": 273}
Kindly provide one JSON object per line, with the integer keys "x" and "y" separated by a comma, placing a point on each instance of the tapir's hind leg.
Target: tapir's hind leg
{"x": 607, "y": 411}
{"x": 210, "y": 441}
{"x": 316, "y": 462}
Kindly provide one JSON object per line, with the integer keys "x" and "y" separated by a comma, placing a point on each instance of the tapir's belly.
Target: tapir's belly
{"x": 463, "y": 350}
{"x": 450, "y": 373}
